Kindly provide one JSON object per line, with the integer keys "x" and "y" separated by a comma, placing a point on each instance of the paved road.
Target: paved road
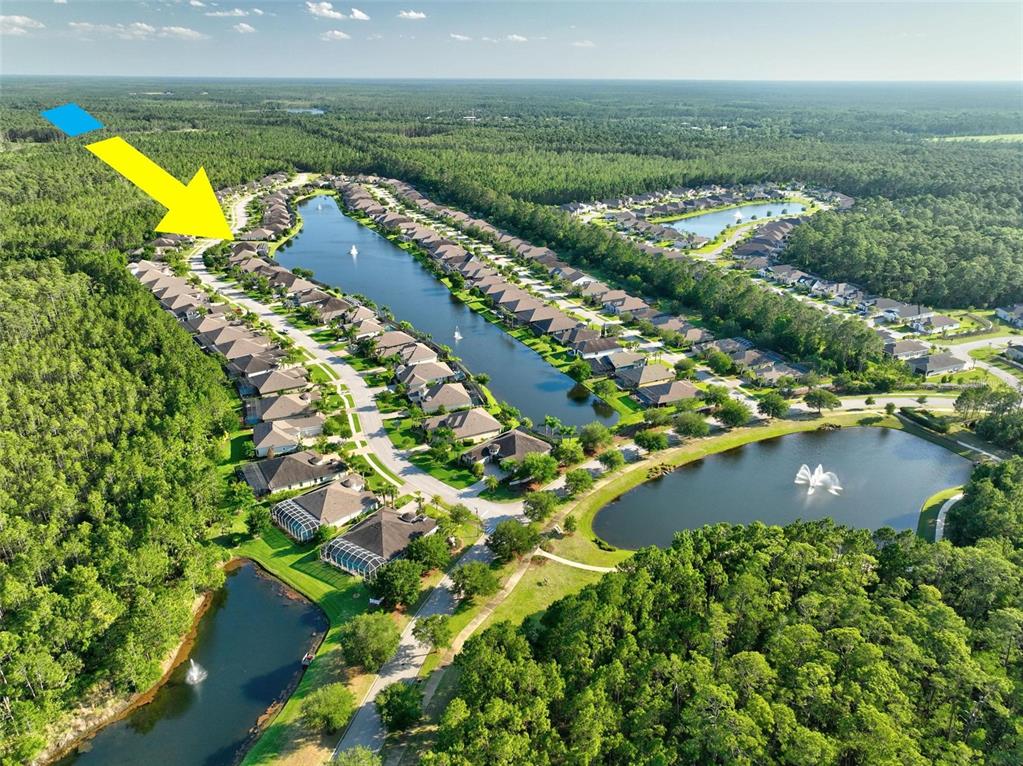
{"x": 366, "y": 728}
{"x": 939, "y": 523}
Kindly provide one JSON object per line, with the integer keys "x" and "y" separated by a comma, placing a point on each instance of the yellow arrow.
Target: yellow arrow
{"x": 192, "y": 210}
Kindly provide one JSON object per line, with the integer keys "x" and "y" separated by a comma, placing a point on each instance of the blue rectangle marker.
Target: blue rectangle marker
{"x": 72, "y": 119}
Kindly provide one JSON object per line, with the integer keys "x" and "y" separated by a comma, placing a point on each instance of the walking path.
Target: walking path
{"x": 939, "y": 523}
{"x": 570, "y": 563}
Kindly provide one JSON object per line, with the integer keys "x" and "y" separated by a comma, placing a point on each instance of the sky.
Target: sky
{"x": 721, "y": 40}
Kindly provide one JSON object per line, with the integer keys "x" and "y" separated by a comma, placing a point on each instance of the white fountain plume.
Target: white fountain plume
{"x": 738, "y": 215}
{"x": 818, "y": 478}
{"x": 354, "y": 251}
{"x": 458, "y": 335}
{"x": 196, "y": 673}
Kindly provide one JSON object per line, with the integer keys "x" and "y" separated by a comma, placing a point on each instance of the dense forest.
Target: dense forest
{"x": 109, "y": 420}
{"x": 759, "y": 645}
{"x": 109, "y": 414}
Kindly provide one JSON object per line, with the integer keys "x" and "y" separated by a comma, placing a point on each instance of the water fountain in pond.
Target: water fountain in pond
{"x": 196, "y": 673}
{"x": 738, "y": 216}
{"x": 458, "y": 334}
{"x": 818, "y": 478}
{"x": 354, "y": 251}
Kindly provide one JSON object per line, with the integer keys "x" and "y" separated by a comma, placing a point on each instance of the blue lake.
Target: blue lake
{"x": 391, "y": 277}
{"x": 250, "y": 641}
{"x": 709, "y": 225}
{"x": 886, "y": 475}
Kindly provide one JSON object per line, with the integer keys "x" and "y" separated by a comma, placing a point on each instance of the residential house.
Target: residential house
{"x": 935, "y": 324}
{"x": 1012, "y": 314}
{"x": 369, "y": 545}
{"x": 668, "y": 393}
{"x": 513, "y": 445}
{"x": 289, "y": 472}
{"x": 473, "y": 425}
{"x": 282, "y": 436}
{"x": 332, "y": 505}
{"x": 906, "y": 348}
{"x": 448, "y": 396}
{"x": 938, "y": 364}
{"x": 645, "y": 375}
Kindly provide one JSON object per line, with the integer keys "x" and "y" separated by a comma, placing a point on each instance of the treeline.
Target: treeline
{"x": 957, "y": 251}
{"x": 109, "y": 425}
{"x": 757, "y": 646}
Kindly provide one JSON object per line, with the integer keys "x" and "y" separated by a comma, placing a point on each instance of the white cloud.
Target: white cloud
{"x": 488, "y": 39}
{"x": 460, "y": 38}
{"x": 517, "y": 39}
{"x": 197, "y": 3}
{"x": 335, "y": 34}
{"x": 375, "y": 36}
{"x": 60, "y": 2}
{"x": 411, "y": 15}
{"x": 182, "y": 33}
{"x": 136, "y": 30}
{"x": 323, "y": 10}
{"x": 243, "y": 28}
{"x": 18, "y": 26}
{"x": 232, "y": 12}
{"x": 584, "y": 44}
{"x": 257, "y": 12}
{"x": 358, "y": 15}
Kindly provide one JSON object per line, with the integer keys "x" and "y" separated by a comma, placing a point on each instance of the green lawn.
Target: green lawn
{"x": 319, "y": 373}
{"x": 544, "y": 583}
{"x": 929, "y": 512}
{"x": 403, "y": 436}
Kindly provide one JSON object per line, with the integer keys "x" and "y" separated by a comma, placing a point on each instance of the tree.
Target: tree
{"x": 510, "y": 539}
{"x": 430, "y": 550}
{"x": 474, "y": 579}
{"x": 685, "y": 369}
{"x": 369, "y": 640}
{"x": 434, "y": 630}
{"x": 733, "y": 413}
{"x": 460, "y": 513}
{"x": 328, "y": 708}
{"x": 889, "y": 408}
{"x": 538, "y": 467}
{"x": 571, "y": 524}
{"x": 652, "y": 440}
{"x": 538, "y": 506}
{"x": 397, "y": 582}
{"x": 605, "y": 389}
{"x": 357, "y": 756}
{"x": 822, "y": 399}
{"x": 718, "y": 361}
{"x": 258, "y": 520}
{"x": 772, "y": 405}
{"x": 612, "y": 460}
{"x": 578, "y": 481}
{"x": 715, "y": 395}
{"x": 569, "y": 452}
{"x": 594, "y": 437}
{"x": 690, "y": 424}
{"x": 400, "y": 705}
{"x": 579, "y": 370}
{"x": 491, "y": 482}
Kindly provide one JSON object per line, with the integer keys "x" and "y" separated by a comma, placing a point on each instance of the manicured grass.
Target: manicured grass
{"x": 929, "y": 513}
{"x": 381, "y": 468}
{"x": 318, "y": 373}
{"x": 544, "y": 583}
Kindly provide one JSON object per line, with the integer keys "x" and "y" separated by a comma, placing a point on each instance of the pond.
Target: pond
{"x": 250, "y": 642}
{"x": 886, "y": 475}
{"x": 391, "y": 277}
{"x": 304, "y": 110}
{"x": 711, "y": 224}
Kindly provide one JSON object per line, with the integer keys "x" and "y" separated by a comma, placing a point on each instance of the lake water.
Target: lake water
{"x": 304, "y": 110}
{"x": 391, "y": 277}
{"x": 709, "y": 225}
{"x": 251, "y": 642}
{"x": 886, "y": 476}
